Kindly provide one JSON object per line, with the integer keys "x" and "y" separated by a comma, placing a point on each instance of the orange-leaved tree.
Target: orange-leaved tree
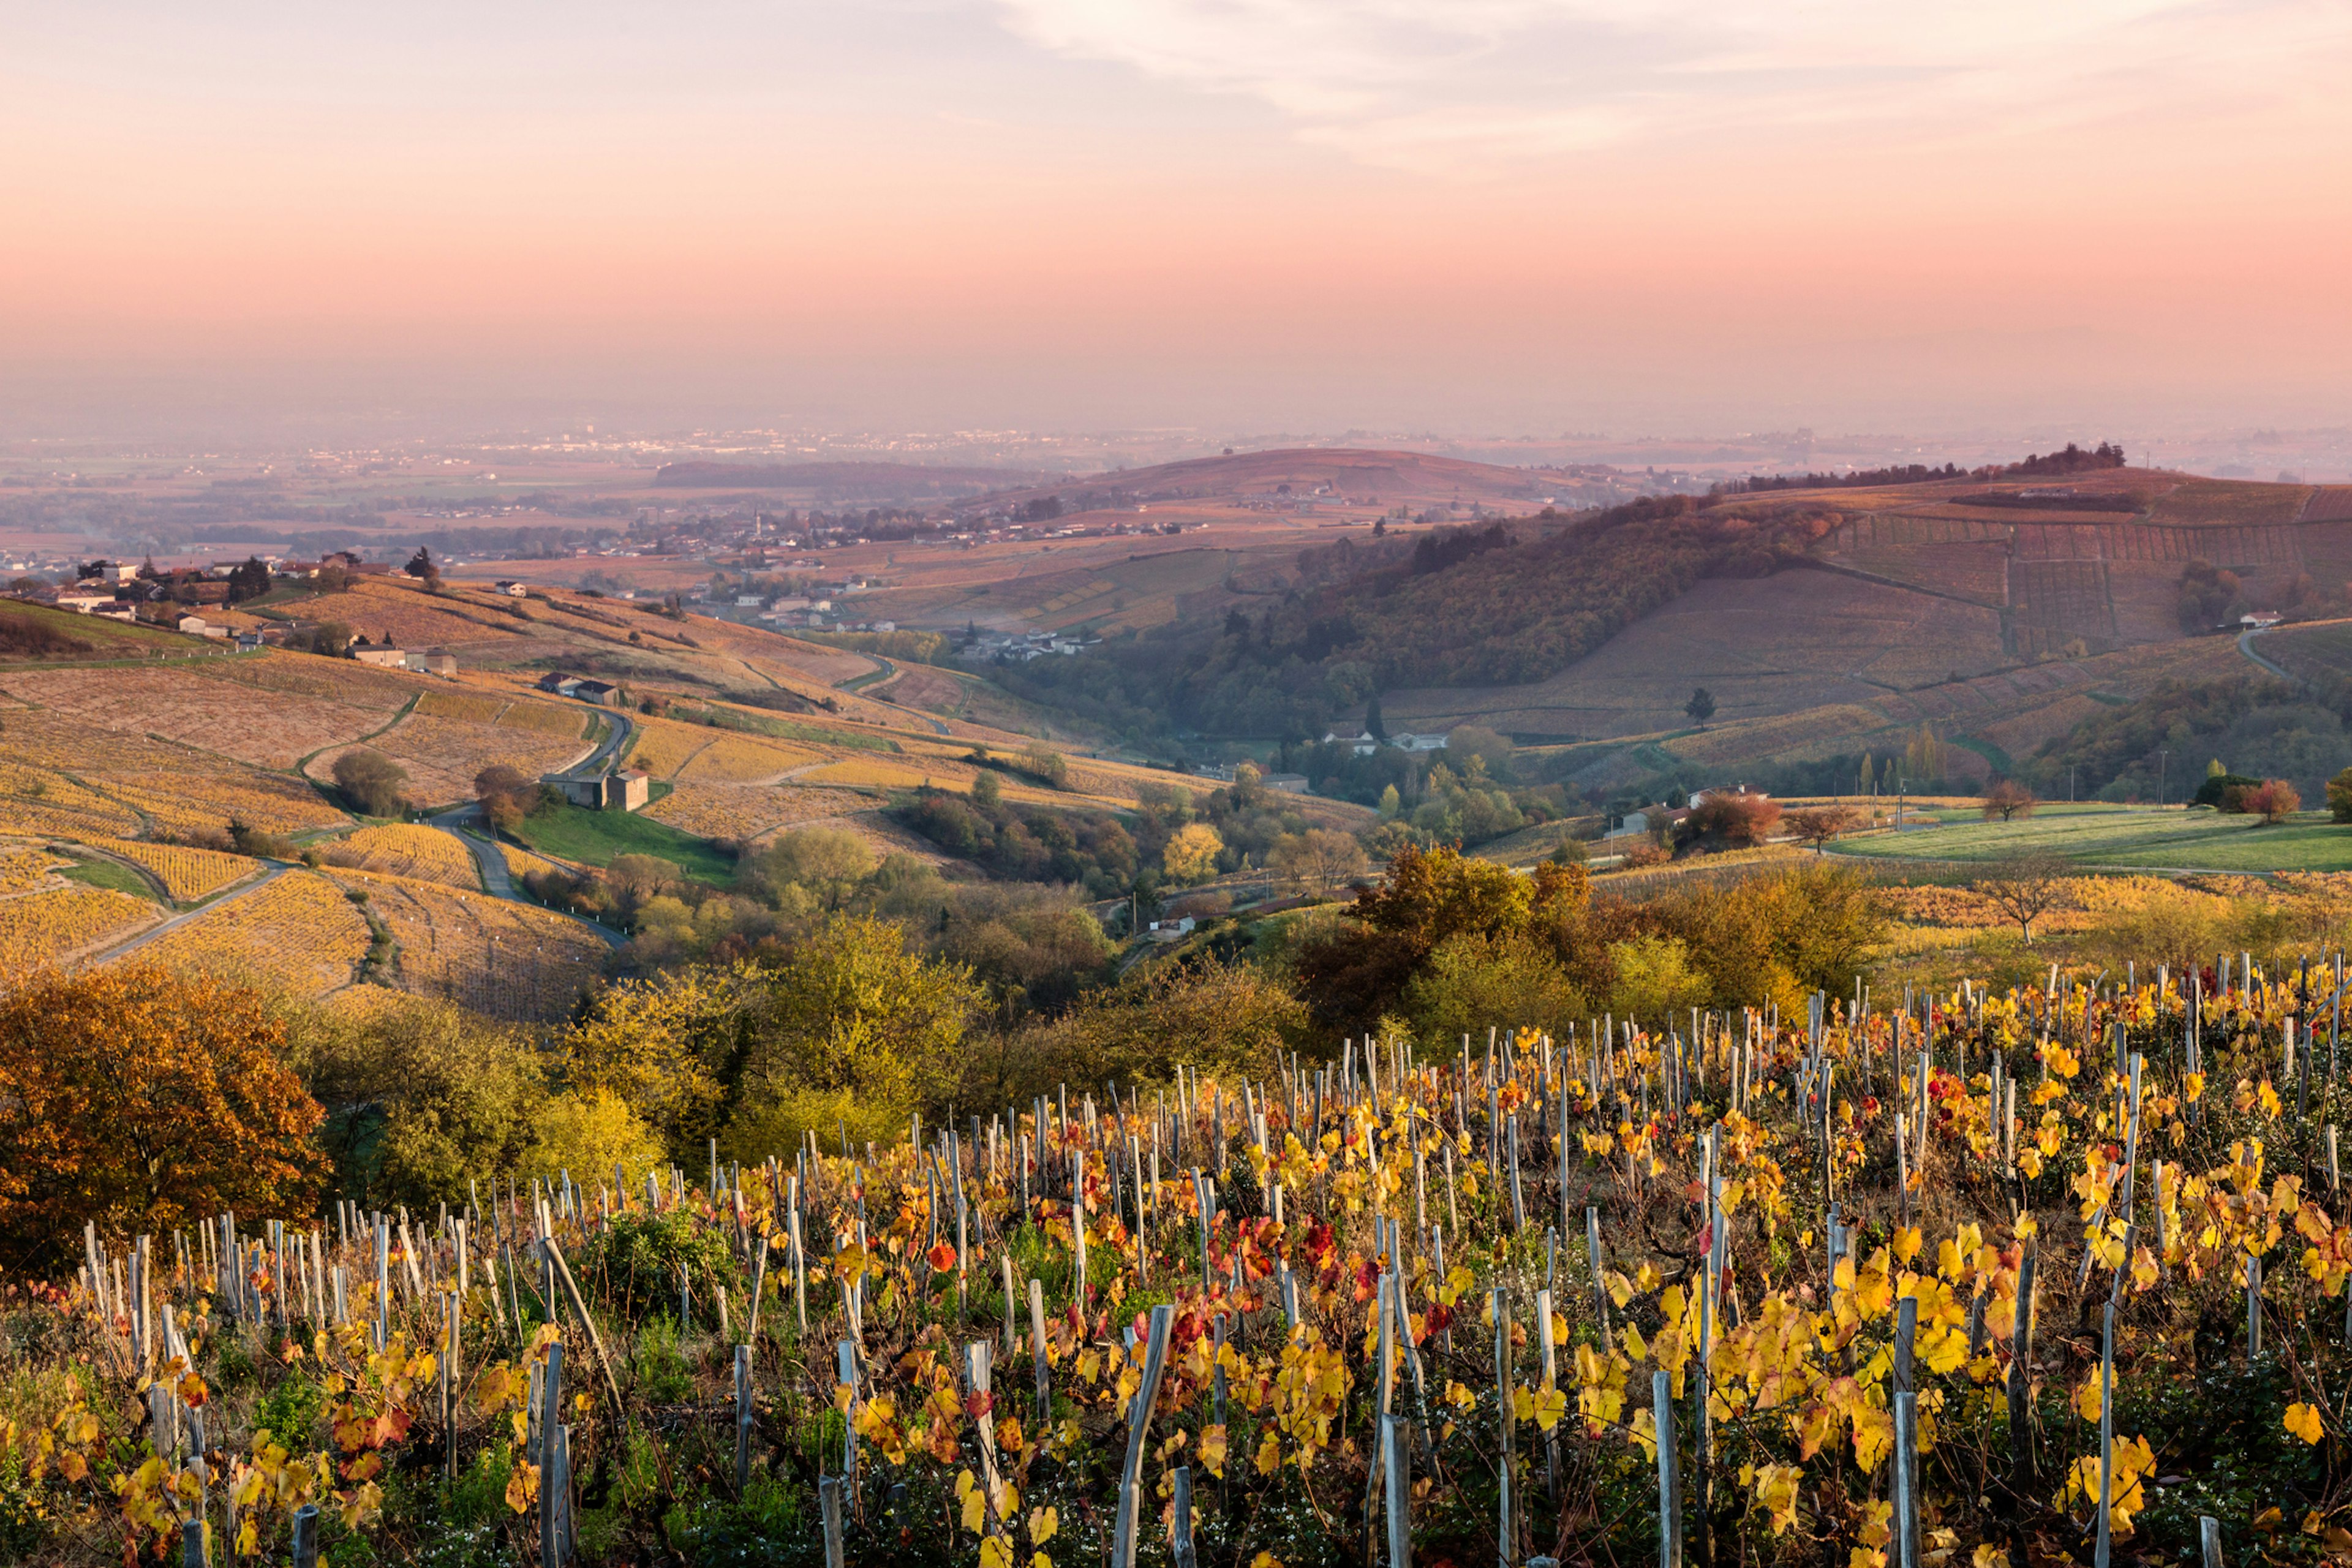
{"x": 142, "y": 1101}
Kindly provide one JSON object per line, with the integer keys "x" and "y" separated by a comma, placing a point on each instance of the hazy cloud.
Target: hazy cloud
{"x": 1458, "y": 85}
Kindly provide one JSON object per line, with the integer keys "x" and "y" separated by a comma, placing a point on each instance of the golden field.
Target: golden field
{"x": 509, "y": 960}
{"x": 297, "y": 933}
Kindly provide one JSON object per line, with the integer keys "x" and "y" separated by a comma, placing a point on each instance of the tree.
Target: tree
{"x": 1468, "y": 741}
{"x": 987, "y": 790}
{"x": 143, "y": 1102}
{"x": 2006, "y": 799}
{"x": 1192, "y": 853}
{"x": 1735, "y": 818}
{"x": 1219, "y": 1017}
{"x": 854, "y": 1030}
{"x": 1374, "y": 725}
{"x": 506, "y": 794}
{"x": 1817, "y": 825}
{"x": 2274, "y": 800}
{"x": 420, "y": 1096}
{"x": 1042, "y": 762}
{"x": 248, "y": 580}
{"x": 657, "y": 1045}
{"x": 1653, "y": 978}
{"x": 829, "y": 862}
{"x": 423, "y": 567}
{"x": 2339, "y": 796}
{"x": 370, "y": 782}
{"x": 1317, "y": 858}
{"x": 1471, "y": 981}
{"x": 1701, "y": 706}
{"x": 2027, "y": 886}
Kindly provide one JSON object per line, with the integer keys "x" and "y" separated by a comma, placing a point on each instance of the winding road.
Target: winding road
{"x": 465, "y": 825}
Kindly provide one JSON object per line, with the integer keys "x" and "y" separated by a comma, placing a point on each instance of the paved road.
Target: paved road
{"x": 2246, "y": 640}
{"x": 277, "y": 868}
{"x": 598, "y": 761}
{"x": 468, "y": 827}
{"x": 2246, "y": 646}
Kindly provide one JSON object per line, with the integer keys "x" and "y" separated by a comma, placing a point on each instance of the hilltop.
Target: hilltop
{"x": 1338, "y": 476}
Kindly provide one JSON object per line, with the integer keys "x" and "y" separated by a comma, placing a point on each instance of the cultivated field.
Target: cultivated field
{"x": 187, "y": 874}
{"x": 415, "y": 851}
{"x": 1463, "y": 1309}
{"x": 296, "y": 933}
{"x": 508, "y": 960}
{"x": 2170, "y": 840}
{"x": 42, "y": 927}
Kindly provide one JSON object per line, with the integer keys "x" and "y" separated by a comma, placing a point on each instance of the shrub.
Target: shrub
{"x": 638, "y": 1257}
{"x": 2339, "y": 796}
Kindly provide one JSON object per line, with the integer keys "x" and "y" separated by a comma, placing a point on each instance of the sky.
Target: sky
{"x": 1471, "y": 216}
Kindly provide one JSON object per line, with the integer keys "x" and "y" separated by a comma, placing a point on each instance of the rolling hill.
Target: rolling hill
{"x": 149, "y": 768}
{"x": 1336, "y": 476}
{"x": 1999, "y": 609}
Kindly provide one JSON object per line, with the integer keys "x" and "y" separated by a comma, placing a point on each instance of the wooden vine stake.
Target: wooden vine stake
{"x": 742, "y": 1417}
{"x": 1507, "y": 1526}
{"x": 1670, "y": 1499}
{"x": 828, "y": 1494}
{"x": 1395, "y": 1461}
{"x": 1139, "y": 1426}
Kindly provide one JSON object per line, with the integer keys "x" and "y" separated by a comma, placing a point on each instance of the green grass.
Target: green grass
{"x": 594, "y": 837}
{"x": 111, "y": 874}
{"x": 102, "y": 635}
{"x": 2112, "y": 836}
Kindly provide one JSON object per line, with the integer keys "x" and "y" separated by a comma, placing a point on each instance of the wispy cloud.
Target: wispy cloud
{"x": 1464, "y": 85}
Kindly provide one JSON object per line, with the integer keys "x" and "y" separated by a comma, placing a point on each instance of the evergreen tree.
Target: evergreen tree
{"x": 1374, "y": 726}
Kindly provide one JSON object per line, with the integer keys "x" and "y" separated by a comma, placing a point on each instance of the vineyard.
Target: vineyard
{"x": 748, "y": 811}
{"x": 413, "y": 850}
{"x": 499, "y": 958}
{"x": 1985, "y": 1278}
{"x": 187, "y": 874}
{"x": 25, "y": 867}
{"x": 296, "y": 932}
{"x": 442, "y": 757}
{"x": 39, "y": 929}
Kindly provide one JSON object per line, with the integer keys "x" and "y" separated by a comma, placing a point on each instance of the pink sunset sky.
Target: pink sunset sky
{"x": 1501, "y": 214}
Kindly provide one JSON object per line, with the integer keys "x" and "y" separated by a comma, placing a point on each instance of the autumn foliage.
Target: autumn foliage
{"x": 142, "y": 1101}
